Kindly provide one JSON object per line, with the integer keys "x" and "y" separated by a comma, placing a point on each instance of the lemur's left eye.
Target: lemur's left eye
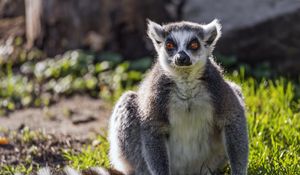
{"x": 194, "y": 45}
{"x": 170, "y": 45}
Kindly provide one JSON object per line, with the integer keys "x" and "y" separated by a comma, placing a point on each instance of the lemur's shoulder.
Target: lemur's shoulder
{"x": 213, "y": 70}
{"x": 217, "y": 72}
{"x": 155, "y": 77}
{"x": 226, "y": 96}
{"x": 154, "y": 91}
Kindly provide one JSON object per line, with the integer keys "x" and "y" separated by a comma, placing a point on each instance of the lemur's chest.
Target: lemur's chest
{"x": 191, "y": 120}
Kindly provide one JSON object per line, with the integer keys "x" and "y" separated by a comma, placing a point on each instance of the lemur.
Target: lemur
{"x": 185, "y": 117}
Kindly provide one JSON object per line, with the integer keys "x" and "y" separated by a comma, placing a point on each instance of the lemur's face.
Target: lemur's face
{"x": 183, "y": 45}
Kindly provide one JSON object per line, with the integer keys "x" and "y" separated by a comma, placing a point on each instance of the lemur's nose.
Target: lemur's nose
{"x": 182, "y": 59}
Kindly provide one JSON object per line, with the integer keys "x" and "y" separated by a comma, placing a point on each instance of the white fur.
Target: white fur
{"x": 44, "y": 171}
{"x": 198, "y": 61}
{"x": 191, "y": 118}
{"x": 190, "y": 112}
{"x": 115, "y": 153}
{"x": 208, "y": 29}
{"x": 182, "y": 37}
{"x": 154, "y": 32}
{"x": 71, "y": 171}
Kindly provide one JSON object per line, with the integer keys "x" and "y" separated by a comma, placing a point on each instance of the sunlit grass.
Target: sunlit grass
{"x": 273, "y": 116}
{"x": 10, "y": 170}
{"x": 90, "y": 156}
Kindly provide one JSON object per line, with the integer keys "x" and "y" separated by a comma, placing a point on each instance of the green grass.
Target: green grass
{"x": 10, "y": 170}
{"x": 90, "y": 156}
{"x": 273, "y": 115}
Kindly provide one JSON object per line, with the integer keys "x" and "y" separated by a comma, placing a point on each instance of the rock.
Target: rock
{"x": 235, "y": 14}
{"x": 76, "y": 120}
{"x": 275, "y": 42}
{"x": 254, "y": 31}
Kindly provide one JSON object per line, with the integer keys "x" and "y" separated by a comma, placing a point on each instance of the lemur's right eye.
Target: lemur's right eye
{"x": 170, "y": 45}
{"x": 194, "y": 44}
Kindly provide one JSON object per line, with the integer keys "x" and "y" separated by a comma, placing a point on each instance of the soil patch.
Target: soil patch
{"x": 38, "y": 136}
{"x": 42, "y": 150}
{"x": 79, "y": 116}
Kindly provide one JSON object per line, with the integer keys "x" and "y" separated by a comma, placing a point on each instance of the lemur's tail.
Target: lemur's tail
{"x": 71, "y": 171}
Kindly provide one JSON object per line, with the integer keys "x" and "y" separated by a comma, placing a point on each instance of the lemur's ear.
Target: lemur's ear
{"x": 212, "y": 32}
{"x": 155, "y": 32}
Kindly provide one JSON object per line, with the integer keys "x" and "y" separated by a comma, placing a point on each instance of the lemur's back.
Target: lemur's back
{"x": 124, "y": 135}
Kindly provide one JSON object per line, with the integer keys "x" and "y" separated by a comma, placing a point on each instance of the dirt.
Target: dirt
{"x": 79, "y": 116}
{"x": 67, "y": 125}
{"x": 43, "y": 150}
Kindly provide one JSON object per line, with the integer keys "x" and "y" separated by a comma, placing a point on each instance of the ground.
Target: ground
{"x": 42, "y": 134}
{"x": 76, "y": 116}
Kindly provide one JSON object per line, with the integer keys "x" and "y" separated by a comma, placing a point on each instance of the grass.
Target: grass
{"x": 95, "y": 155}
{"x": 273, "y": 115}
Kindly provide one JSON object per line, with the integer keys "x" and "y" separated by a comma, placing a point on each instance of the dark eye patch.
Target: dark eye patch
{"x": 170, "y": 40}
{"x": 194, "y": 44}
{"x": 170, "y": 50}
{"x": 170, "y": 44}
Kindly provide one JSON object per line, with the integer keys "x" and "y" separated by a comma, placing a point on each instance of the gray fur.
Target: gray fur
{"x": 181, "y": 120}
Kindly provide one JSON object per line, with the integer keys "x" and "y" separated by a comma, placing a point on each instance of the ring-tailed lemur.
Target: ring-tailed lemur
{"x": 185, "y": 118}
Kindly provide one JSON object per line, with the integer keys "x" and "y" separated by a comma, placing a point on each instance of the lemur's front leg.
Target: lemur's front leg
{"x": 154, "y": 149}
{"x": 236, "y": 139}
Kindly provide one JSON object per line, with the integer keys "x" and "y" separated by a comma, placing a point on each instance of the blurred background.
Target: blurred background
{"x": 63, "y": 64}
{"x": 254, "y": 32}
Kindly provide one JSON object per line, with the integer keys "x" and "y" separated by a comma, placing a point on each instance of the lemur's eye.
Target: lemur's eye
{"x": 170, "y": 45}
{"x": 194, "y": 45}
